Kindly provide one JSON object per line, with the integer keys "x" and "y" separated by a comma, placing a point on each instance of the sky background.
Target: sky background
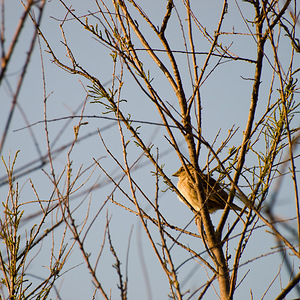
{"x": 225, "y": 98}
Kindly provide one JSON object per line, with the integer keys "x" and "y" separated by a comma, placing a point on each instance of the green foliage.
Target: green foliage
{"x": 14, "y": 259}
{"x": 93, "y": 29}
{"x": 98, "y": 93}
{"x": 12, "y": 266}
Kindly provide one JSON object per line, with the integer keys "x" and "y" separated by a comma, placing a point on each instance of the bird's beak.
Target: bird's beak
{"x": 176, "y": 174}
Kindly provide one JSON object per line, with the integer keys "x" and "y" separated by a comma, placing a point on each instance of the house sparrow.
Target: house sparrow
{"x": 215, "y": 196}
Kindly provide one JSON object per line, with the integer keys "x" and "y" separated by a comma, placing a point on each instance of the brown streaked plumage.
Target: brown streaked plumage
{"x": 216, "y": 197}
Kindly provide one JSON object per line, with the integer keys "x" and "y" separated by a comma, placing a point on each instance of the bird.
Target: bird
{"x": 215, "y": 196}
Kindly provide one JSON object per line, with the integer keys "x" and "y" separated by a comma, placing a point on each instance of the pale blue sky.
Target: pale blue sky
{"x": 225, "y": 99}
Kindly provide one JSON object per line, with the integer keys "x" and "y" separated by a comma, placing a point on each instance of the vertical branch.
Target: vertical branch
{"x": 196, "y": 78}
{"x": 122, "y": 284}
{"x": 173, "y": 280}
{"x": 252, "y": 110}
{"x": 284, "y": 95}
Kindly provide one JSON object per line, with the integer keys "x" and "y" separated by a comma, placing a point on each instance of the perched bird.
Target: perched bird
{"x": 215, "y": 196}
